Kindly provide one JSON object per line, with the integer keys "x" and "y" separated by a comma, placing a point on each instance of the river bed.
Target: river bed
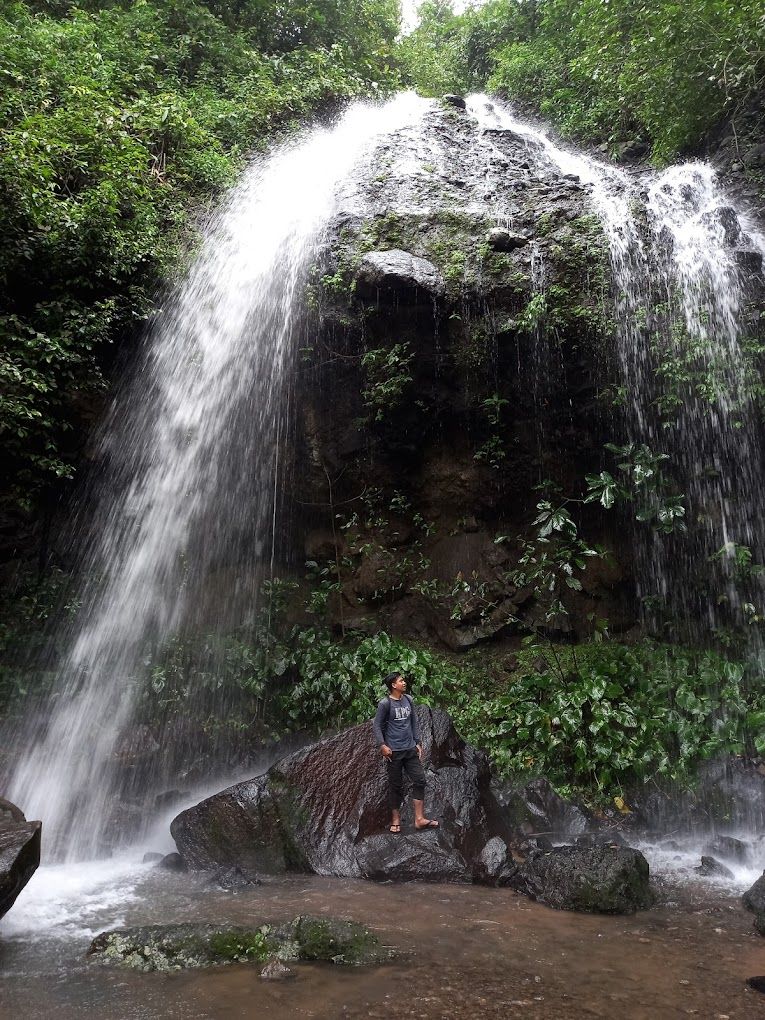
{"x": 464, "y": 951}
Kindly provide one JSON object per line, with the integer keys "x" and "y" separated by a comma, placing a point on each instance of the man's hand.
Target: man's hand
{"x": 419, "y": 751}
{"x": 386, "y": 751}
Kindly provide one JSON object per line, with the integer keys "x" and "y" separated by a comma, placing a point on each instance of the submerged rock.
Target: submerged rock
{"x": 172, "y": 862}
{"x": 19, "y": 853}
{"x": 233, "y": 879}
{"x": 184, "y": 946}
{"x": 275, "y": 970}
{"x": 601, "y": 880}
{"x": 324, "y": 810}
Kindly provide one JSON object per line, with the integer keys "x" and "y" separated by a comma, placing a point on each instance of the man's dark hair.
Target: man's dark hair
{"x": 390, "y": 679}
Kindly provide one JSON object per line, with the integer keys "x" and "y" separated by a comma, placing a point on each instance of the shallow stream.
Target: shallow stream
{"x": 464, "y": 951}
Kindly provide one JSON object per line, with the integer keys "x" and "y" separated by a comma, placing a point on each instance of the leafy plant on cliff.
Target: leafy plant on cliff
{"x": 387, "y": 377}
{"x": 643, "y": 483}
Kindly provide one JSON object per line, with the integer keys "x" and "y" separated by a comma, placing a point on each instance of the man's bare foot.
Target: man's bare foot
{"x": 426, "y": 823}
{"x": 395, "y": 828}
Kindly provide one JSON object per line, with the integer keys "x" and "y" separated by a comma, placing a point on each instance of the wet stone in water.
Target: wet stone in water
{"x": 185, "y": 946}
{"x": 710, "y": 868}
{"x": 275, "y": 970}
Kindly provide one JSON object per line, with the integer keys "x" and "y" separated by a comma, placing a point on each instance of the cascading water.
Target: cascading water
{"x": 194, "y": 450}
{"x": 194, "y": 446}
{"x": 679, "y": 252}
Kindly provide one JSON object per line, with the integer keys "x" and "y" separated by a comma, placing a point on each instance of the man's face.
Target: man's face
{"x": 399, "y": 684}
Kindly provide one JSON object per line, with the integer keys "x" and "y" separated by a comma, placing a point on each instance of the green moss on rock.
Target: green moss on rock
{"x": 174, "y": 947}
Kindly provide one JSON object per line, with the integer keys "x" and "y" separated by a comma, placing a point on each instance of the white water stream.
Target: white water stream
{"x": 196, "y": 444}
{"x": 679, "y": 290}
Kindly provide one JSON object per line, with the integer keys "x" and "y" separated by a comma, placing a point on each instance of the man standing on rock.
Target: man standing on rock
{"x": 398, "y": 737}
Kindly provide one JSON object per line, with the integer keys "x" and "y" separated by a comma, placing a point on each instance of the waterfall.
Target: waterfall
{"x": 193, "y": 449}
{"x": 682, "y": 257}
{"x": 195, "y": 446}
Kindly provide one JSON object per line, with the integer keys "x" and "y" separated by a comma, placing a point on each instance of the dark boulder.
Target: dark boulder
{"x": 324, "y": 809}
{"x": 457, "y": 102}
{"x": 535, "y": 808}
{"x": 233, "y": 879}
{"x": 424, "y": 856}
{"x": 9, "y": 812}
{"x": 19, "y": 853}
{"x": 754, "y": 898}
{"x": 397, "y": 273}
{"x": 607, "y": 837}
{"x": 728, "y": 847}
{"x": 172, "y": 862}
{"x": 711, "y": 868}
{"x": 602, "y": 880}
{"x": 759, "y": 923}
{"x": 495, "y": 865}
{"x": 502, "y": 239}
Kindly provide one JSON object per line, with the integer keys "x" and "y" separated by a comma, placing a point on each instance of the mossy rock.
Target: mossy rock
{"x": 182, "y": 946}
{"x": 333, "y": 941}
{"x": 186, "y": 946}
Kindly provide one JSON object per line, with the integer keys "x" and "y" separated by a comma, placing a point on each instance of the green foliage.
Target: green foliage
{"x": 28, "y": 613}
{"x": 387, "y": 377}
{"x": 241, "y": 947}
{"x": 644, "y": 483}
{"x": 340, "y": 684}
{"x": 118, "y": 121}
{"x": 432, "y": 55}
{"x": 493, "y": 451}
{"x": 600, "y": 716}
{"x": 608, "y": 715}
{"x": 607, "y": 70}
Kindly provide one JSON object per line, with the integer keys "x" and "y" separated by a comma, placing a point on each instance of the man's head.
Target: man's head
{"x": 395, "y": 683}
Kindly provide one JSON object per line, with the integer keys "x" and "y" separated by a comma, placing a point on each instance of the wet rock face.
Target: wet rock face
{"x": 535, "y": 808}
{"x": 186, "y": 946}
{"x": 712, "y": 868}
{"x": 730, "y": 793}
{"x": 458, "y": 249}
{"x": 754, "y": 898}
{"x": 324, "y": 810}
{"x": 397, "y": 274}
{"x": 19, "y": 853}
{"x": 600, "y": 880}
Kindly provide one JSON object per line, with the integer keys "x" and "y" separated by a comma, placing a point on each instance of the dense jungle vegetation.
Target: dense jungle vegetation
{"x": 121, "y": 123}
{"x": 608, "y": 71}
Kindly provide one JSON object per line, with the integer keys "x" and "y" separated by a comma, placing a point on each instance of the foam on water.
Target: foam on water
{"x": 674, "y": 860}
{"x": 75, "y": 900}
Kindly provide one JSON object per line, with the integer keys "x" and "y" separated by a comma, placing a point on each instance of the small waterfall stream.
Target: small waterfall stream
{"x": 680, "y": 255}
{"x": 194, "y": 448}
